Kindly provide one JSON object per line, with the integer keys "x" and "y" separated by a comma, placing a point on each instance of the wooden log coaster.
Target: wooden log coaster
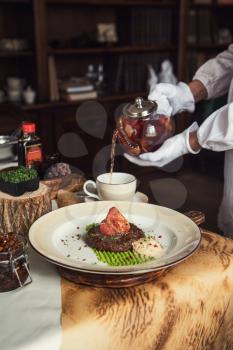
{"x": 110, "y": 281}
{"x": 71, "y": 183}
{"x": 17, "y": 214}
{"x": 197, "y": 216}
{"x": 65, "y": 198}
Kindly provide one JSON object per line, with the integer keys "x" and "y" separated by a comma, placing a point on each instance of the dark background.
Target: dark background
{"x": 185, "y": 32}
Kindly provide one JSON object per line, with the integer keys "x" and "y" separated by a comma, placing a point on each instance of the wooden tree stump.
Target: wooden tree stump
{"x": 71, "y": 183}
{"x": 17, "y": 214}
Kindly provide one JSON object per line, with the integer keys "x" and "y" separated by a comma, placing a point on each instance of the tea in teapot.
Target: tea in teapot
{"x": 141, "y": 129}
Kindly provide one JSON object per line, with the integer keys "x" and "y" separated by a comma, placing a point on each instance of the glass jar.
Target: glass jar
{"x": 14, "y": 267}
{"x": 141, "y": 129}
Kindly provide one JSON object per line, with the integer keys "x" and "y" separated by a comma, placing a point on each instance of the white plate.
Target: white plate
{"x": 55, "y": 235}
{"x": 138, "y": 197}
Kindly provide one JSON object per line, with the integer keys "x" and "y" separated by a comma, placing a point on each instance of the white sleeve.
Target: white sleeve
{"x": 216, "y": 133}
{"x": 216, "y": 74}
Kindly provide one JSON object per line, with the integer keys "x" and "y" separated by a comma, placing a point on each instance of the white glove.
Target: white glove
{"x": 179, "y": 96}
{"x": 172, "y": 148}
{"x": 216, "y": 134}
{"x": 164, "y": 106}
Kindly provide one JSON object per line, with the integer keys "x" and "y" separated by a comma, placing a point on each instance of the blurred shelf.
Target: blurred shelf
{"x": 114, "y": 2}
{"x": 59, "y": 104}
{"x": 105, "y": 50}
{"x": 214, "y": 6}
{"x": 207, "y": 47}
{"x": 9, "y": 2}
{"x": 8, "y": 54}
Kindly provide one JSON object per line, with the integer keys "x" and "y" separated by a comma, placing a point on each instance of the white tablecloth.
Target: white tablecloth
{"x": 30, "y": 316}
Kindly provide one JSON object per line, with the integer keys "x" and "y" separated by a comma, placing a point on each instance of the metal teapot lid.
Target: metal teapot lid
{"x": 140, "y": 108}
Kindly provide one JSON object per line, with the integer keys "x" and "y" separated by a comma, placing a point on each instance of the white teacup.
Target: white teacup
{"x": 118, "y": 186}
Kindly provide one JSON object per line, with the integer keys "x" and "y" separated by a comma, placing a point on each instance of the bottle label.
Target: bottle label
{"x": 33, "y": 154}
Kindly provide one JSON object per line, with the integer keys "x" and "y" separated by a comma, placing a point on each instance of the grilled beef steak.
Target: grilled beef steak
{"x": 114, "y": 234}
{"x": 118, "y": 243}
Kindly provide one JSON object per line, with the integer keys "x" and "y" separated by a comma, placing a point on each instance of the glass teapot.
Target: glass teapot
{"x": 141, "y": 129}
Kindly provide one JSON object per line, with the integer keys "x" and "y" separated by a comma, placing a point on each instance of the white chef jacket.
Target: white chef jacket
{"x": 217, "y": 76}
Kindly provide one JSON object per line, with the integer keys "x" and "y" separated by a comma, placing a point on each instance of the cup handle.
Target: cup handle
{"x": 90, "y": 182}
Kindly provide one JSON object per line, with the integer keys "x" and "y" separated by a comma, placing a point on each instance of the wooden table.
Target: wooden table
{"x": 191, "y": 307}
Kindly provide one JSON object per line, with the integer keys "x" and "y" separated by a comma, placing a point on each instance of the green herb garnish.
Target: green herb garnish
{"x": 90, "y": 226}
{"x": 18, "y": 175}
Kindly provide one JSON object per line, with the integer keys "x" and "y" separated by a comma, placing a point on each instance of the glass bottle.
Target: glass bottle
{"x": 29, "y": 146}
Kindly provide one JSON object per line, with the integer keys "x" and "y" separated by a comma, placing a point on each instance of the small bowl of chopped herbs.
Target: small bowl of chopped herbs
{"x": 19, "y": 180}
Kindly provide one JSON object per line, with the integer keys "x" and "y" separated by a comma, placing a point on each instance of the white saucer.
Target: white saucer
{"x": 138, "y": 197}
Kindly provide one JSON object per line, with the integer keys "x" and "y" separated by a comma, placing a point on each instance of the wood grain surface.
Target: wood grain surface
{"x": 17, "y": 214}
{"x": 70, "y": 183}
{"x": 191, "y": 307}
{"x": 110, "y": 281}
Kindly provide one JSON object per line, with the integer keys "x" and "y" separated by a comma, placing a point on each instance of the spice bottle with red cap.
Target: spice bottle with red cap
{"x": 29, "y": 146}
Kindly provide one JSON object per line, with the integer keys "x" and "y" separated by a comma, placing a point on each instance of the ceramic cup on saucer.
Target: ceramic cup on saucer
{"x": 118, "y": 186}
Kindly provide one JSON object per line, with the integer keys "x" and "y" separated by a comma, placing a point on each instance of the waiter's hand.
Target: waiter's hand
{"x": 175, "y": 147}
{"x": 180, "y": 96}
{"x": 163, "y": 105}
